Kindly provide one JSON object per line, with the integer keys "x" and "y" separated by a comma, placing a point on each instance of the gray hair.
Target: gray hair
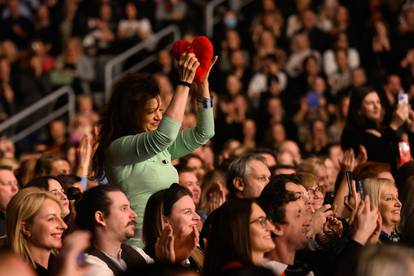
{"x": 240, "y": 168}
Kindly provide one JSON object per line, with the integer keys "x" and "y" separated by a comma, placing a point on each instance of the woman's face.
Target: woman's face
{"x": 260, "y": 231}
{"x": 56, "y": 189}
{"x": 152, "y": 114}
{"x": 316, "y": 196}
{"x": 371, "y": 107}
{"x": 389, "y": 205}
{"x": 47, "y": 227}
{"x": 183, "y": 218}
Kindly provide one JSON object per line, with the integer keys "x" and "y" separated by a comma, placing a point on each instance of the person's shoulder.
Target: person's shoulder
{"x": 146, "y": 257}
{"x": 97, "y": 266}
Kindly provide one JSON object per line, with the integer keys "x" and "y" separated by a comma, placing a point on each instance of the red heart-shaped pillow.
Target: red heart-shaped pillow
{"x": 203, "y": 50}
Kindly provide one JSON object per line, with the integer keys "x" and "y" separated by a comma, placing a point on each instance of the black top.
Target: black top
{"x": 2, "y": 224}
{"x": 380, "y": 149}
{"x": 41, "y": 271}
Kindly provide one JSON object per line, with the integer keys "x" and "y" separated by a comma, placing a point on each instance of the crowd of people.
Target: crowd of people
{"x": 292, "y": 157}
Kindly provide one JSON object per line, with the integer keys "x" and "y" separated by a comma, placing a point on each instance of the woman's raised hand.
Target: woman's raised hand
{"x": 400, "y": 115}
{"x": 164, "y": 247}
{"x": 202, "y": 89}
{"x": 187, "y": 67}
{"x": 365, "y": 224}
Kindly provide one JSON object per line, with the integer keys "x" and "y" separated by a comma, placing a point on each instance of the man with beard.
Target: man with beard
{"x": 106, "y": 212}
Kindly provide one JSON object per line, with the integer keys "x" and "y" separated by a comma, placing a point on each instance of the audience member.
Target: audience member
{"x": 247, "y": 176}
{"x": 105, "y": 212}
{"x": 8, "y": 188}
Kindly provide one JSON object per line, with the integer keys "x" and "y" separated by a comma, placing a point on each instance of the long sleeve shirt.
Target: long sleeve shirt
{"x": 141, "y": 163}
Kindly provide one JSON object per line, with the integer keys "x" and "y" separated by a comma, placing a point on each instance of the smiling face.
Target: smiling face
{"x": 46, "y": 229}
{"x": 390, "y": 206}
{"x": 371, "y": 107}
{"x": 151, "y": 116}
{"x": 316, "y": 195}
{"x": 183, "y": 217}
{"x": 295, "y": 230}
{"x": 190, "y": 181}
{"x": 260, "y": 231}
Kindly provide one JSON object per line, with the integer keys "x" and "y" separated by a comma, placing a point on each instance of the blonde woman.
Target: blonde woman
{"x": 35, "y": 227}
{"x": 384, "y": 195}
{"x": 407, "y": 215}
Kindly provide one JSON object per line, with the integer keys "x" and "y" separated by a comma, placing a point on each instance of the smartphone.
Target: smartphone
{"x": 402, "y": 98}
{"x": 405, "y": 152}
{"x": 361, "y": 189}
{"x": 313, "y": 100}
{"x": 349, "y": 178}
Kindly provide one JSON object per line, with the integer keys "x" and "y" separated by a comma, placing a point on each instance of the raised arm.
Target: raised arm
{"x": 142, "y": 146}
{"x": 190, "y": 139}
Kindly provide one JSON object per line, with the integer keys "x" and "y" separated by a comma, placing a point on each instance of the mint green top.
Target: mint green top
{"x": 141, "y": 163}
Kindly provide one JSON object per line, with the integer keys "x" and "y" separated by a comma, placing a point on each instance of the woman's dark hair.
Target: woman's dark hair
{"x": 152, "y": 223}
{"x": 158, "y": 205}
{"x": 229, "y": 236}
{"x": 68, "y": 180}
{"x": 171, "y": 195}
{"x": 44, "y": 164}
{"x": 354, "y": 117}
{"x": 122, "y": 114}
{"x": 41, "y": 182}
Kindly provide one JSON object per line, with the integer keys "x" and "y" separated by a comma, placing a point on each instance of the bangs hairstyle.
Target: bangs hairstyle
{"x": 23, "y": 207}
{"x": 173, "y": 194}
{"x": 122, "y": 115}
{"x": 152, "y": 223}
{"x": 374, "y": 188}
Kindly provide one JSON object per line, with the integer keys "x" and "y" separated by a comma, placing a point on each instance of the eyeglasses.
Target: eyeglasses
{"x": 318, "y": 189}
{"x": 262, "y": 221}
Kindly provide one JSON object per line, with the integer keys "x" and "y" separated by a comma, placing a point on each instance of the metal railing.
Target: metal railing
{"x": 121, "y": 58}
{"x": 69, "y": 108}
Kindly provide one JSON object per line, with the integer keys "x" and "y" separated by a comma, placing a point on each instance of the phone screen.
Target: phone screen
{"x": 402, "y": 98}
{"x": 349, "y": 178}
{"x": 361, "y": 189}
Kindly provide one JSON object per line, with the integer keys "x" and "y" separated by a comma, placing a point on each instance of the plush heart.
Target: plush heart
{"x": 203, "y": 50}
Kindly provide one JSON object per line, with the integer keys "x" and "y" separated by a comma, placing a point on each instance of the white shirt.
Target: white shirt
{"x": 276, "y": 267}
{"x": 99, "y": 267}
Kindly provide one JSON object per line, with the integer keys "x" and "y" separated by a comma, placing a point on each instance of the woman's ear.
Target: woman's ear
{"x": 99, "y": 218}
{"x": 26, "y": 230}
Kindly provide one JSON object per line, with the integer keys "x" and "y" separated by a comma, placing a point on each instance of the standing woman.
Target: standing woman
{"x": 138, "y": 139}
{"x": 384, "y": 196}
{"x": 365, "y": 126}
